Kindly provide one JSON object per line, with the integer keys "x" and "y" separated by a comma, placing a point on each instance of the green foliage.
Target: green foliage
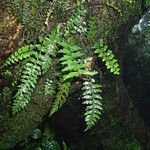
{"x": 148, "y": 2}
{"x": 62, "y": 45}
{"x": 36, "y": 134}
{"x": 91, "y": 30}
{"x": 22, "y": 53}
{"x": 76, "y": 23}
{"x": 7, "y": 73}
{"x": 37, "y": 62}
{"x": 111, "y": 5}
{"x": 61, "y": 97}
{"x": 49, "y": 141}
{"x": 92, "y": 100}
{"x": 79, "y": 2}
{"x": 25, "y": 10}
{"x": 49, "y": 87}
{"x": 42, "y": 140}
{"x": 28, "y": 80}
{"x": 51, "y": 145}
{"x": 107, "y": 56}
{"x": 72, "y": 61}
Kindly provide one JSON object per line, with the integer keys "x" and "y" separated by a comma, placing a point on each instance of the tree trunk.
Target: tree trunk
{"x": 114, "y": 20}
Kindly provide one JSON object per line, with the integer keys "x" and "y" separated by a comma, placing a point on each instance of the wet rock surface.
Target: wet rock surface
{"x": 136, "y": 69}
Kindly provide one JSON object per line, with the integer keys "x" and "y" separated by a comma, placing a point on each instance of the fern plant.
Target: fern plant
{"x": 92, "y": 100}
{"x": 76, "y": 23}
{"x": 72, "y": 66}
{"x": 22, "y": 53}
{"x": 61, "y": 97}
{"x": 28, "y": 81}
{"x": 107, "y": 56}
{"x": 38, "y": 59}
{"x": 72, "y": 61}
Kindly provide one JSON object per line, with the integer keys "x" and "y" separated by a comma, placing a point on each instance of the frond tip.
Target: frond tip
{"x": 72, "y": 62}
{"x": 61, "y": 97}
{"x": 22, "y": 53}
{"x": 28, "y": 82}
{"x": 92, "y": 100}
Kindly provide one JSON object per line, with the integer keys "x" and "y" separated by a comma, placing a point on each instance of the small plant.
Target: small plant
{"x": 36, "y": 60}
{"x": 45, "y": 140}
{"x": 72, "y": 61}
{"x": 61, "y": 97}
{"x": 107, "y": 56}
{"x": 92, "y": 100}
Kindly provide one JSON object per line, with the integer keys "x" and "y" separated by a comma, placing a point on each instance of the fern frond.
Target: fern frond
{"x": 91, "y": 30}
{"x": 92, "y": 100}
{"x": 107, "y": 56}
{"x": 76, "y": 23}
{"x": 49, "y": 87}
{"x": 35, "y": 64}
{"x": 46, "y": 63}
{"x": 28, "y": 82}
{"x": 72, "y": 62}
{"x": 22, "y": 53}
{"x": 61, "y": 97}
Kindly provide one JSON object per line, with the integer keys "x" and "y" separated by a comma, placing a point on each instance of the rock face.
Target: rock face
{"x": 136, "y": 69}
{"x": 10, "y": 32}
{"x": 114, "y": 21}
